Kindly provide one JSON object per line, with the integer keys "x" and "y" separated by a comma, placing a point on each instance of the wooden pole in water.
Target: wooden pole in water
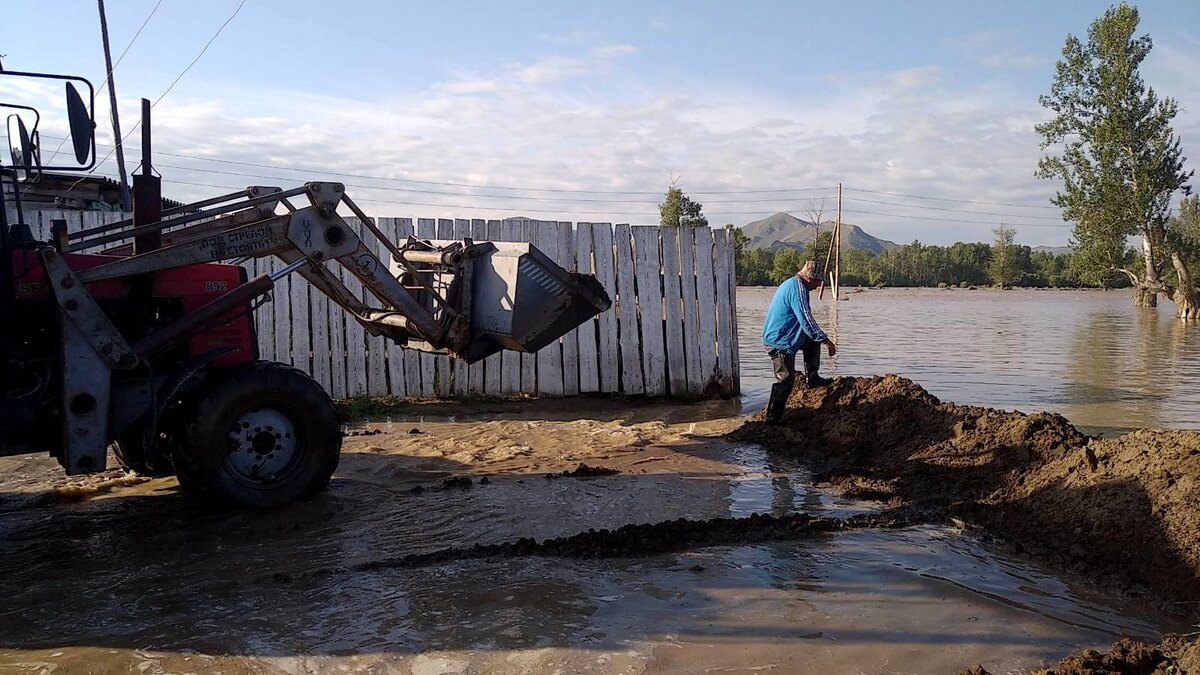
{"x": 826, "y": 270}
{"x": 837, "y": 244}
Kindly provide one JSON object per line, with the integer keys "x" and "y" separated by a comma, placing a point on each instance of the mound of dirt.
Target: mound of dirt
{"x": 1176, "y": 655}
{"x": 1123, "y": 510}
{"x": 584, "y": 471}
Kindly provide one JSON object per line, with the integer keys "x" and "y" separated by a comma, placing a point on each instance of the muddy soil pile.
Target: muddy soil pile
{"x": 638, "y": 540}
{"x": 1123, "y": 511}
{"x": 1175, "y": 655}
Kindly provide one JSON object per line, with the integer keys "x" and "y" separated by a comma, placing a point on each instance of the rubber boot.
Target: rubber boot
{"x": 778, "y": 401}
{"x": 812, "y": 364}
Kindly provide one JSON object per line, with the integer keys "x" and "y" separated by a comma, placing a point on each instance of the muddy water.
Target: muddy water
{"x": 135, "y": 579}
{"x": 1085, "y": 354}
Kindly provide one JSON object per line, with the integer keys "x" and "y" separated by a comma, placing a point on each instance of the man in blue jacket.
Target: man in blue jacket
{"x": 790, "y": 328}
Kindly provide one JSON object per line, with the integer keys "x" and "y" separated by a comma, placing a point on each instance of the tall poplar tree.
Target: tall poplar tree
{"x": 1111, "y": 144}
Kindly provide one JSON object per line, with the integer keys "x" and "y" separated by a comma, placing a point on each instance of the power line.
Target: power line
{"x": 952, "y": 220}
{"x": 937, "y": 208}
{"x": 465, "y": 194}
{"x": 584, "y": 191}
{"x": 114, "y": 67}
{"x": 947, "y": 199}
{"x": 131, "y": 41}
{"x": 205, "y": 49}
{"x": 171, "y": 86}
{"x": 472, "y": 185}
{"x": 646, "y": 213}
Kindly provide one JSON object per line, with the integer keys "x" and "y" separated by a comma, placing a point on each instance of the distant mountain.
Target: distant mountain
{"x": 1054, "y": 250}
{"x": 783, "y": 230}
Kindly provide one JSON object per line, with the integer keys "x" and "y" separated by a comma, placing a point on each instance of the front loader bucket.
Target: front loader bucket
{"x": 523, "y": 300}
{"x": 519, "y": 299}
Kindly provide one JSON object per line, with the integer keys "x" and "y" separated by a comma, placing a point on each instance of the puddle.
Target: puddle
{"x": 780, "y": 485}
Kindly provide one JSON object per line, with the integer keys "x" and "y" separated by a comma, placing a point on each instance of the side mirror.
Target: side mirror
{"x": 83, "y": 129}
{"x": 81, "y": 106}
{"x": 24, "y": 153}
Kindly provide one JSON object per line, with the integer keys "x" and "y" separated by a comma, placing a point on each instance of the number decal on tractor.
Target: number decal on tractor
{"x": 216, "y": 286}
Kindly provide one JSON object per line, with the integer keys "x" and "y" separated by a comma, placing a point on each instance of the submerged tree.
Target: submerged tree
{"x": 1003, "y": 266}
{"x": 816, "y": 213}
{"x": 1118, "y": 159}
{"x": 1183, "y": 240}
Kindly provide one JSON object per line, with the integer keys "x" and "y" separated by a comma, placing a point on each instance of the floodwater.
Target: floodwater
{"x": 137, "y": 580}
{"x": 1088, "y": 355}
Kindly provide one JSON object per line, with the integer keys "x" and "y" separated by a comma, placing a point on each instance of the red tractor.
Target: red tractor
{"x": 150, "y": 347}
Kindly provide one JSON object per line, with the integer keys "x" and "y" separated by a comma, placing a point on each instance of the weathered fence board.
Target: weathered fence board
{"x": 671, "y": 329}
{"x": 726, "y": 323}
{"x": 266, "y": 314}
{"x": 587, "y": 349}
{"x": 321, "y": 350}
{"x": 376, "y": 344}
{"x": 691, "y": 323}
{"x": 610, "y": 356}
{"x": 673, "y": 310}
{"x": 337, "y": 344}
{"x": 427, "y": 229}
{"x": 650, "y": 307}
{"x": 301, "y": 324}
{"x": 529, "y": 232}
{"x": 549, "y": 358}
{"x": 281, "y": 305}
{"x": 395, "y": 353}
{"x": 570, "y": 341}
{"x": 632, "y": 381}
{"x": 729, "y": 278}
{"x": 706, "y": 288}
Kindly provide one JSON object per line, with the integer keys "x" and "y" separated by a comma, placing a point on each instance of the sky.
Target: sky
{"x": 576, "y": 111}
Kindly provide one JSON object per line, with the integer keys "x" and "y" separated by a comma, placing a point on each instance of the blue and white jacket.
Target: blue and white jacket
{"x": 790, "y": 322}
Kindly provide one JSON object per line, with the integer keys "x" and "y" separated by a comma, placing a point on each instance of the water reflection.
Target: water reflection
{"x": 1085, "y": 354}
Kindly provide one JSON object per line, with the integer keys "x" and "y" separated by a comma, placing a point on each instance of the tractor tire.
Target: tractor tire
{"x": 258, "y": 436}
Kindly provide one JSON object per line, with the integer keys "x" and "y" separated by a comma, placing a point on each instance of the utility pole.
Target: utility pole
{"x": 112, "y": 102}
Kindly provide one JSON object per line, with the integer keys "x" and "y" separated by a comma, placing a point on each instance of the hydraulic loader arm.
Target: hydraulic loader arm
{"x": 466, "y": 298}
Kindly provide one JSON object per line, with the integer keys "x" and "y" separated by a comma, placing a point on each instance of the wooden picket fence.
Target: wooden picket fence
{"x": 671, "y": 331}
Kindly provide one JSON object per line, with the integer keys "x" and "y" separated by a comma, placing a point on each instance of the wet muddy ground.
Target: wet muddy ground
{"x": 133, "y": 579}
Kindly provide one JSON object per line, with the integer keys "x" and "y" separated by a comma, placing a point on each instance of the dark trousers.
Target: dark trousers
{"x": 784, "y": 365}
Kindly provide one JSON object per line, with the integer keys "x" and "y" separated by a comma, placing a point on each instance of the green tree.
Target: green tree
{"x": 760, "y": 263}
{"x": 818, "y": 248}
{"x": 740, "y": 240}
{"x": 787, "y": 264}
{"x": 1111, "y": 144}
{"x": 1003, "y": 269}
{"x": 678, "y": 210}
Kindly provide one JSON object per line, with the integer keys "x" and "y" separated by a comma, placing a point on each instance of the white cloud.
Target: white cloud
{"x": 998, "y": 49}
{"x": 561, "y": 122}
{"x": 552, "y": 69}
{"x": 613, "y": 51}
